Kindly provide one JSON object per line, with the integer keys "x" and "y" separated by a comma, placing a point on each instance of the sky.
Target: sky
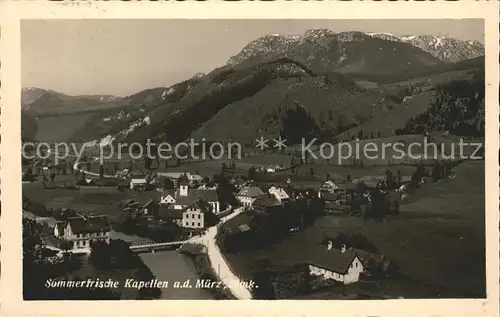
{"x": 122, "y": 57}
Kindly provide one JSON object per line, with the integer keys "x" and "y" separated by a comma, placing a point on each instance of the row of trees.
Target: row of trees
{"x": 162, "y": 232}
{"x": 271, "y": 224}
{"x": 117, "y": 255}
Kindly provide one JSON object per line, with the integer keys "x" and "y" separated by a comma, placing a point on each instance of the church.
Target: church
{"x": 185, "y": 196}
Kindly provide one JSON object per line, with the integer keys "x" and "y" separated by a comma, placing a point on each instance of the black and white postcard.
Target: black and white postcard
{"x": 343, "y": 152}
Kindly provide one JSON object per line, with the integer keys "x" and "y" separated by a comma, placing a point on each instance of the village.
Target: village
{"x": 79, "y": 204}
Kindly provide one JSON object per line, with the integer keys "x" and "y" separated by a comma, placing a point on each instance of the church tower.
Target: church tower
{"x": 183, "y": 186}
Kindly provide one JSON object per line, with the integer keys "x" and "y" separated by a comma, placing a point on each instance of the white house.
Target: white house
{"x": 174, "y": 175}
{"x": 279, "y": 193}
{"x": 82, "y": 231}
{"x": 329, "y": 186}
{"x": 138, "y": 183}
{"x": 342, "y": 265}
{"x": 59, "y": 229}
{"x": 247, "y": 195}
{"x": 194, "y": 215}
{"x": 167, "y": 197}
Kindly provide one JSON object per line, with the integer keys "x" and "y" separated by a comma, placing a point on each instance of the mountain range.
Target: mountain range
{"x": 446, "y": 49}
{"x": 41, "y": 102}
{"x": 336, "y": 81}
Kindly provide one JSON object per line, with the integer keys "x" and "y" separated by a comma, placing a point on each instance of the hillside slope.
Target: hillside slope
{"x": 38, "y": 102}
{"x": 347, "y": 52}
{"x": 444, "y": 48}
{"x": 237, "y": 104}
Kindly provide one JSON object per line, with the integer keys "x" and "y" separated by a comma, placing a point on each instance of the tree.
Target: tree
{"x": 417, "y": 175}
{"x": 389, "y": 179}
{"x": 233, "y": 166}
{"x": 251, "y": 173}
{"x": 360, "y": 134}
{"x": 100, "y": 255}
{"x": 147, "y": 162}
{"x": 297, "y": 124}
{"x": 66, "y": 245}
{"x": 437, "y": 171}
{"x": 168, "y": 184}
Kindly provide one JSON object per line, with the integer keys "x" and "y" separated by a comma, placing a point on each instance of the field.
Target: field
{"x": 434, "y": 79}
{"x": 419, "y": 239}
{"x": 97, "y": 204}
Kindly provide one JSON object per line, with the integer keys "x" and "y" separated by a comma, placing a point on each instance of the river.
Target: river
{"x": 169, "y": 266}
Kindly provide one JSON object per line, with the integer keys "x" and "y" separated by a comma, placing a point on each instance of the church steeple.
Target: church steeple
{"x": 183, "y": 185}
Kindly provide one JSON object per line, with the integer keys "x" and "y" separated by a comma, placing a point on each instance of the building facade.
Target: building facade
{"x": 342, "y": 265}
{"x": 247, "y": 195}
{"x": 83, "y": 231}
{"x": 193, "y": 216}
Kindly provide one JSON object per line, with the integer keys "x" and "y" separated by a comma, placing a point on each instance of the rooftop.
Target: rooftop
{"x": 209, "y": 195}
{"x": 333, "y": 260}
{"x": 90, "y": 224}
{"x": 266, "y": 200}
{"x": 250, "y": 191}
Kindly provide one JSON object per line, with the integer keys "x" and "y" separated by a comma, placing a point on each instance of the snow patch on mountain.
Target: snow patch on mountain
{"x": 445, "y": 48}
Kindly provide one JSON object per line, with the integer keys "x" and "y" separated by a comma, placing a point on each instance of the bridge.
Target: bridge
{"x": 152, "y": 247}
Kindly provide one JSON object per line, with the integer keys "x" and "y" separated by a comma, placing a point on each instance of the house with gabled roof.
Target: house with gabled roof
{"x": 168, "y": 197}
{"x": 150, "y": 208}
{"x": 195, "y": 214}
{"x": 280, "y": 193}
{"x": 185, "y": 196}
{"x": 167, "y": 212}
{"x": 342, "y": 265}
{"x": 59, "y": 228}
{"x": 247, "y": 195}
{"x": 83, "y": 231}
{"x": 138, "y": 183}
{"x": 265, "y": 203}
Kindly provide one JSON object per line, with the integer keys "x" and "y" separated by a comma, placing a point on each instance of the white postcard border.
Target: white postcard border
{"x": 11, "y": 278}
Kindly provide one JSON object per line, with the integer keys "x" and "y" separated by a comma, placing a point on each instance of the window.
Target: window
{"x": 192, "y": 223}
{"x": 186, "y": 223}
{"x": 199, "y": 216}
{"x": 199, "y": 225}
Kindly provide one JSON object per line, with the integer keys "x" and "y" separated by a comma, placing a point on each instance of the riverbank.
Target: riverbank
{"x": 211, "y": 282}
